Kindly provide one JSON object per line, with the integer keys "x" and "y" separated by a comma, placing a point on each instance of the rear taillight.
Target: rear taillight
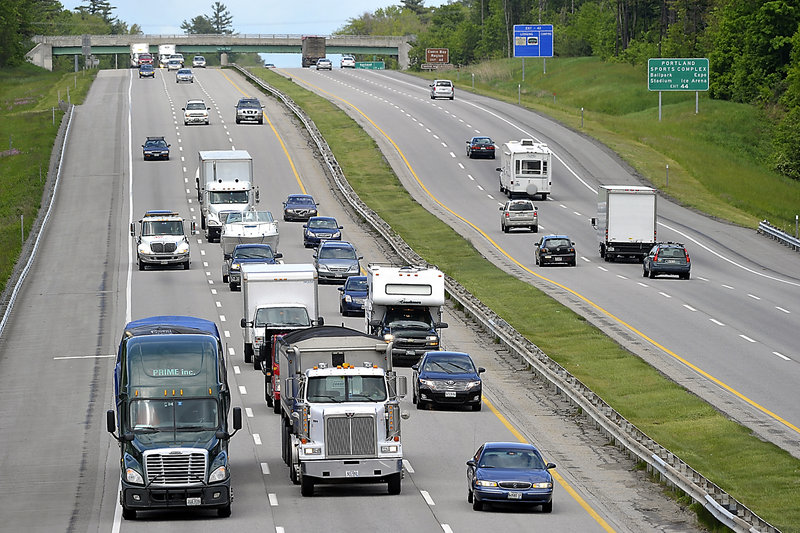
{"x": 655, "y": 257}
{"x": 536, "y": 213}
{"x": 687, "y": 257}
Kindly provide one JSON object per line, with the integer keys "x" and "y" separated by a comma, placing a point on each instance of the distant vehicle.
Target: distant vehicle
{"x": 525, "y": 169}
{"x": 447, "y": 378}
{"x": 248, "y": 254}
{"x": 319, "y": 229}
{"x": 178, "y": 56}
{"x": 249, "y": 110}
{"x": 509, "y": 472}
{"x": 155, "y": 148}
{"x": 147, "y": 70}
{"x": 519, "y": 214}
{"x": 299, "y": 207}
{"x": 184, "y": 74}
{"x": 146, "y": 59}
{"x": 174, "y": 64}
{"x": 269, "y": 65}
{"x": 311, "y": 49}
{"x": 667, "y": 258}
{"x": 336, "y": 261}
{"x": 164, "y": 53}
{"x": 626, "y": 221}
{"x": 198, "y": 62}
{"x": 138, "y": 49}
{"x": 323, "y": 63}
{"x": 555, "y": 250}
{"x": 442, "y": 89}
{"x": 347, "y": 62}
{"x": 480, "y": 147}
{"x": 353, "y": 294}
{"x": 195, "y": 112}
{"x": 162, "y": 240}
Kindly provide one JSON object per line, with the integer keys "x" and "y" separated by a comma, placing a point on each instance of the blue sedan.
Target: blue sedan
{"x": 447, "y": 378}
{"x": 299, "y": 207}
{"x": 319, "y": 229}
{"x": 353, "y": 294}
{"x": 509, "y": 472}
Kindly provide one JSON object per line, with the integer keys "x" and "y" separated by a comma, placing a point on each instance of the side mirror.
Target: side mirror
{"x": 244, "y": 323}
{"x": 481, "y": 370}
{"x": 471, "y": 463}
{"x": 183, "y": 109}
{"x": 305, "y": 226}
{"x": 320, "y": 321}
{"x": 550, "y": 465}
{"x": 341, "y": 227}
{"x": 111, "y": 423}
{"x": 402, "y": 386}
{"x": 133, "y": 229}
{"x": 237, "y": 418}
{"x": 374, "y": 323}
{"x": 440, "y": 325}
{"x": 499, "y": 169}
{"x": 502, "y": 207}
{"x": 277, "y": 255}
{"x": 594, "y": 222}
{"x": 340, "y": 289}
{"x": 226, "y": 256}
{"x": 415, "y": 366}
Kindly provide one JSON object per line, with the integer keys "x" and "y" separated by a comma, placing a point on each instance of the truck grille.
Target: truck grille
{"x": 175, "y": 467}
{"x": 163, "y": 247}
{"x": 350, "y": 436}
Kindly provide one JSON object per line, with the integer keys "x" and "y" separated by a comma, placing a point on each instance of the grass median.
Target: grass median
{"x": 759, "y": 474}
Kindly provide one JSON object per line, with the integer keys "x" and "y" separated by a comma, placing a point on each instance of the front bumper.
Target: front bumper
{"x": 195, "y": 119}
{"x": 163, "y": 259}
{"x": 338, "y": 277}
{"x": 497, "y": 494}
{"x": 208, "y": 496}
{"x": 353, "y": 470}
{"x": 452, "y": 397}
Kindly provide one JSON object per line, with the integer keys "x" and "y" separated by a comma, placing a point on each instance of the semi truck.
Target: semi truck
{"x": 404, "y": 305}
{"x": 525, "y": 169}
{"x": 136, "y": 49}
{"x": 164, "y": 52}
{"x": 626, "y": 221}
{"x": 312, "y": 48}
{"x": 224, "y": 183}
{"x": 340, "y": 410}
{"x": 277, "y": 299}
{"x": 171, "y": 419}
{"x": 162, "y": 239}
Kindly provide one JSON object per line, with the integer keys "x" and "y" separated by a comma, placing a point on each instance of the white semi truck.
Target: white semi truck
{"x": 164, "y": 51}
{"x": 525, "y": 169}
{"x": 340, "y": 410}
{"x": 277, "y": 299}
{"x": 224, "y": 182}
{"x": 626, "y": 221}
{"x": 162, "y": 239}
{"x": 404, "y": 305}
{"x": 136, "y": 49}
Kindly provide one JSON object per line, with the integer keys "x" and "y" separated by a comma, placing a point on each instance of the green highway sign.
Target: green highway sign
{"x": 671, "y": 74}
{"x": 370, "y": 65}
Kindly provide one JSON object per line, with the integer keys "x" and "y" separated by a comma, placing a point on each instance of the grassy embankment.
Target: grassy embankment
{"x": 28, "y": 126}
{"x": 759, "y": 474}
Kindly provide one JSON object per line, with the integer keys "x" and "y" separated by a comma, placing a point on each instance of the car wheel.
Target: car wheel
{"x": 493, "y": 156}
{"x": 141, "y": 265}
{"x": 248, "y": 354}
{"x": 452, "y": 97}
{"x": 547, "y": 507}
{"x": 128, "y": 514}
{"x": 238, "y": 121}
{"x": 469, "y": 496}
{"x": 224, "y": 512}
{"x": 477, "y": 406}
{"x": 644, "y": 271}
{"x": 651, "y": 274}
{"x": 225, "y": 279}
{"x": 535, "y": 228}
{"x": 476, "y": 504}
{"x": 186, "y": 265}
{"x": 420, "y": 404}
{"x": 505, "y": 228}
{"x": 687, "y": 275}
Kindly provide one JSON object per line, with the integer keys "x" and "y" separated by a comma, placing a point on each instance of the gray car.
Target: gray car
{"x": 336, "y": 261}
{"x": 519, "y": 214}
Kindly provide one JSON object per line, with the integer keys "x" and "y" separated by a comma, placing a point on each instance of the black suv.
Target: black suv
{"x": 667, "y": 258}
{"x": 249, "y": 110}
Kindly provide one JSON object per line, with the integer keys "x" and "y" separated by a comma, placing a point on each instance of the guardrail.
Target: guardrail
{"x": 765, "y": 228}
{"x": 671, "y": 469}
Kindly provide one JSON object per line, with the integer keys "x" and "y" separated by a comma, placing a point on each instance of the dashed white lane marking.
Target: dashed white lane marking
{"x": 222, "y": 318}
{"x": 265, "y": 469}
{"x": 257, "y": 439}
{"x": 717, "y": 322}
{"x": 664, "y": 294}
{"x": 586, "y": 259}
{"x": 407, "y": 466}
{"x": 781, "y": 356}
{"x": 446, "y": 528}
{"x": 745, "y": 337}
{"x": 689, "y": 307}
{"x": 231, "y": 351}
{"x": 237, "y": 370}
{"x": 242, "y": 389}
{"x": 604, "y": 269}
{"x": 218, "y": 304}
{"x": 279, "y": 529}
{"x": 642, "y": 284}
{"x": 427, "y": 497}
{"x": 273, "y": 501}
{"x": 620, "y": 276}
{"x": 782, "y": 309}
{"x": 227, "y": 334}
{"x": 248, "y": 411}
{"x": 729, "y": 287}
{"x": 753, "y": 296}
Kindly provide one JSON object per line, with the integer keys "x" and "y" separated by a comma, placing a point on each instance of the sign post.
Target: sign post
{"x": 533, "y": 40}
{"x": 677, "y": 74}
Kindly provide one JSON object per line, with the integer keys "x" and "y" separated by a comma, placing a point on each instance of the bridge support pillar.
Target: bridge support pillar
{"x": 41, "y": 56}
{"x": 223, "y": 59}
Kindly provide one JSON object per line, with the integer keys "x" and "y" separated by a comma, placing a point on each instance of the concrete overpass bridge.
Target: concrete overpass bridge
{"x": 48, "y": 46}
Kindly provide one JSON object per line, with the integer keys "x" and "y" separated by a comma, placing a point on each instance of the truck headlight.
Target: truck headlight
{"x": 389, "y": 449}
{"x": 388, "y": 337}
{"x": 219, "y": 474}
{"x": 183, "y": 248}
{"x": 428, "y": 383}
{"x": 472, "y": 384}
{"x": 235, "y": 266}
{"x": 132, "y": 476}
{"x": 311, "y": 450}
{"x": 144, "y": 248}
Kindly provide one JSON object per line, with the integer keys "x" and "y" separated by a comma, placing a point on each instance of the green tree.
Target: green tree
{"x": 221, "y": 19}
{"x": 199, "y": 25}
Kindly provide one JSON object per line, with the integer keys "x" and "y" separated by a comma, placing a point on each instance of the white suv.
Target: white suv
{"x": 442, "y": 89}
{"x": 195, "y": 112}
{"x": 348, "y": 62}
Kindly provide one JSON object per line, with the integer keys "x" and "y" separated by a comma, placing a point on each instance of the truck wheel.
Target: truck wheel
{"x": 224, "y": 278}
{"x": 248, "y": 353}
{"x": 141, "y": 265}
{"x": 268, "y": 390}
{"x": 276, "y": 406}
{"x": 307, "y": 486}
{"x": 128, "y": 514}
{"x": 395, "y": 483}
{"x": 224, "y": 512}
{"x": 186, "y": 265}
{"x": 284, "y": 431}
{"x": 202, "y": 221}
{"x": 232, "y": 285}
{"x": 535, "y": 228}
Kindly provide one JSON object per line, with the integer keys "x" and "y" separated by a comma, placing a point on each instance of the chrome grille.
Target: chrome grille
{"x": 520, "y": 485}
{"x": 175, "y": 467}
{"x": 163, "y": 247}
{"x": 350, "y": 436}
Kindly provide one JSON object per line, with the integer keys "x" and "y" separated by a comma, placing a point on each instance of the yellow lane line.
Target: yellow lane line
{"x": 277, "y": 135}
{"x": 596, "y": 306}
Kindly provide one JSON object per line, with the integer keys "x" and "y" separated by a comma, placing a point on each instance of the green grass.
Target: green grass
{"x": 759, "y": 474}
{"x": 718, "y": 159}
{"x": 28, "y": 126}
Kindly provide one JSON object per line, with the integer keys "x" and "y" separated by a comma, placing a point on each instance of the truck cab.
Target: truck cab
{"x": 162, "y": 239}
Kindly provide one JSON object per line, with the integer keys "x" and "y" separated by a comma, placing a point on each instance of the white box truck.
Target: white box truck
{"x": 277, "y": 299}
{"x": 164, "y": 51}
{"x": 525, "y": 169}
{"x": 626, "y": 221}
{"x": 340, "y": 410}
{"x": 224, "y": 183}
{"x": 404, "y": 305}
{"x": 136, "y": 49}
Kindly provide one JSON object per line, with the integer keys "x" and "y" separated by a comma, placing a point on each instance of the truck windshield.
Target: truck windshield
{"x": 228, "y": 197}
{"x": 408, "y": 317}
{"x": 162, "y": 227}
{"x": 282, "y": 316}
{"x": 335, "y": 389}
{"x": 253, "y": 252}
{"x": 153, "y": 420}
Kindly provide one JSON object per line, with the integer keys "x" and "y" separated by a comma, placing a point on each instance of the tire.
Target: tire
{"x": 547, "y": 507}
{"x": 452, "y": 97}
{"x": 413, "y": 397}
{"x": 420, "y": 404}
{"x": 307, "y": 486}
{"x": 202, "y": 221}
{"x": 238, "y": 121}
{"x": 141, "y": 265}
{"x": 476, "y": 504}
{"x": 469, "y": 496}
{"x": 505, "y": 228}
{"x": 535, "y": 228}
{"x": 477, "y": 406}
{"x": 128, "y": 514}
{"x": 225, "y": 279}
{"x": 493, "y": 157}
{"x": 248, "y": 354}
{"x": 232, "y": 285}
{"x": 224, "y": 512}
{"x": 395, "y": 483}
{"x": 186, "y": 265}
{"x": 574, "y": 262}
{"x": 644, "y": 272}
{"x": 688, "y": 275}
{"x": 284, "y": 440}
{"x": 651, "y": 274}
{"x": 268, "y": 391}
{"x": 276, "y": 406}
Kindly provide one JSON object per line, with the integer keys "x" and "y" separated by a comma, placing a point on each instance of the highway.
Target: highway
{"x": 728, "y": 334}
{"x": 61, "y": 467}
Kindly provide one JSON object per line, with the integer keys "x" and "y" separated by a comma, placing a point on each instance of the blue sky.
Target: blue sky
{"x": 309, "y": 17}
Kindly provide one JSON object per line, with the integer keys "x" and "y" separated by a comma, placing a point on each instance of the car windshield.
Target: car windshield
{"x": 300, "y": 200}
{"x": 354, "y": 284}
{"x": 184, "y": 71}
{"x": 249, "y": 103}
{"x": 335, "y": 389}
{"x": 448, "y": 364}
{"x": 555, "y": 243}
{"x": 322, "y": 223}
{"x": 259, "y": 252}
{"x": 515, "y": 459}
{"x": 520, "y": 206}
{"x": 282, "y": 316}
{"x": 196, "y": 105}
{"x": 337, "y": 252}
{"x": 156, "y": 144}
{"x": 249, "y": 217}
{"x": 228, "y": 197}
{"x": 162, "y": 227}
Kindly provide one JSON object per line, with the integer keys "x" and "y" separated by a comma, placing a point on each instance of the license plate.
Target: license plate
{"x": 164, "y": 262}
{"x": 514, "y": 495}
{"x": 351, "y": 473}
{"x": 558, "y": 258}
{"x": 338, "y": 275}
{"x": 192, "y": 501}
{"x": 410, "y": 352}
{"x": 449, "y": 394}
